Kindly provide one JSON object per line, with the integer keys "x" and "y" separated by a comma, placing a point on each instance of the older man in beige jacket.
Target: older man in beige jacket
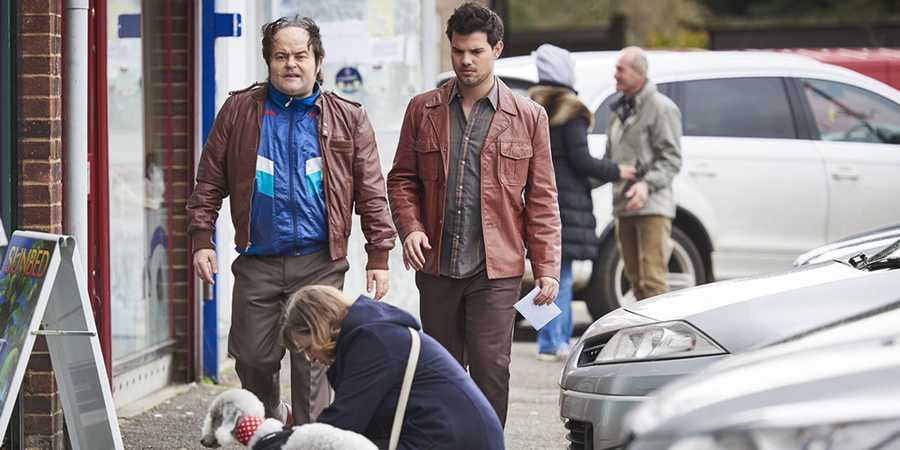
{"x": 644, "y": 131}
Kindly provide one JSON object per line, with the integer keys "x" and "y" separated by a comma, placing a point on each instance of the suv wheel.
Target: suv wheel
{"x": 609, "y": 289}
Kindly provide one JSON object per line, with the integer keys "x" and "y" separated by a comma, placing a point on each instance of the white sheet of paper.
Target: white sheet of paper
{"x": 537, "y": 316}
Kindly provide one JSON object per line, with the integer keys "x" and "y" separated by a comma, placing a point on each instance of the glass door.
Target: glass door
{"x": 139, "y": 209}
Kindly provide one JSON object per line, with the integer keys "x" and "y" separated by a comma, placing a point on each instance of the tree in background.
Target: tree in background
{"x": 803, "y": 8}
{"x": 665, "y": 23}
{"x": 678, "y": 23}
{"x": 657, "y": 23}
{"x": 541, "y": 15}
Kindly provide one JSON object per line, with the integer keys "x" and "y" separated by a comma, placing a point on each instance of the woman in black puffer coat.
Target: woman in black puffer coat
{"x": 576, "y": 170}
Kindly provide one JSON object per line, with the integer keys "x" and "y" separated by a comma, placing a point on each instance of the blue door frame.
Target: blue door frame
{"x": 214, "y": 25}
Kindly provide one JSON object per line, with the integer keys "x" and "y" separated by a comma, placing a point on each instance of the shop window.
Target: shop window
{"x": 140, "y": 303}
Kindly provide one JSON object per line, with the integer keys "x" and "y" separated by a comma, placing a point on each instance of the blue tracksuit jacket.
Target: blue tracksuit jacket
{"x": 288, "y": 215}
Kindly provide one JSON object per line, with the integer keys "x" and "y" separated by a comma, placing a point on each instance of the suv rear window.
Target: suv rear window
{"x": 737, "y": 107}
{"x": 727, "y": 107}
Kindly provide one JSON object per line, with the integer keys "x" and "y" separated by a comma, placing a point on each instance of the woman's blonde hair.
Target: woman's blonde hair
{"x": 317, "y": 311}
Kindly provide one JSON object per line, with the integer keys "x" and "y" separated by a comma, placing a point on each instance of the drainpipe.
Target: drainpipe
{"x": 431, "y": 48}
{"x": 75, "y": 120}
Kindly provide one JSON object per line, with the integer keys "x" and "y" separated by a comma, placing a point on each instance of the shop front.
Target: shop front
{"x": 143, "y": 131}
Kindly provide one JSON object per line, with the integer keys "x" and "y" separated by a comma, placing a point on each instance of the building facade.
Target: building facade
{"x": 141, "y": 110}
{"x": 157, "y": 71}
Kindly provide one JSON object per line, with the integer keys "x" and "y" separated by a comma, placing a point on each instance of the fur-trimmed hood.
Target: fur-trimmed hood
{"x": 561, "y": 103}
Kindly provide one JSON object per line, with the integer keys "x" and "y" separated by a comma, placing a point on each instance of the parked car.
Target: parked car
{"x": 630, "y": 352}
{"x": 836, "y": 388}
{"x": 781, "y": 153}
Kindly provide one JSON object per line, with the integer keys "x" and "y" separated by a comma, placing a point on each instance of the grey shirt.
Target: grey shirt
{"x": 462, "y": 240}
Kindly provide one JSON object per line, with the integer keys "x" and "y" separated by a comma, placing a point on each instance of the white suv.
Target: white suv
{"x": 780, "y": 154}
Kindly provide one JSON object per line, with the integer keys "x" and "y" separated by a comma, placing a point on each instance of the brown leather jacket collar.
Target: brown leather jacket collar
{"x": 518, "y": 187}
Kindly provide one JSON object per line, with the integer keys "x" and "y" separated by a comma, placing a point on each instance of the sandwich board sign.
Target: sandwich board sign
{"x": 43, "y": 291}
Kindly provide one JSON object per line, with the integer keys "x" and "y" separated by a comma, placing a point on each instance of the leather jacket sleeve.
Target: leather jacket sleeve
{"x": 543, "y": 233}
{"x": 403, "y": 181}
{"x": 370, "y": 195}
{"x": 211, "y": 188}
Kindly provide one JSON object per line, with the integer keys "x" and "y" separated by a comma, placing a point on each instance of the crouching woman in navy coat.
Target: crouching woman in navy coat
{"x": 366, "y": 344}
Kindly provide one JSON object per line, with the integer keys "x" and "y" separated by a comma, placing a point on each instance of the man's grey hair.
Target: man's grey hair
{"x": 639, "y": 58}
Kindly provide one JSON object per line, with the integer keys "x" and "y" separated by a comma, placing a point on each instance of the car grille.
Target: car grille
{"x": 580, "y": 435}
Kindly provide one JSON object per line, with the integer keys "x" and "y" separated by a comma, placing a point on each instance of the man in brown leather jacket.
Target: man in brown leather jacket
{"x": 471, "y": 188}
{"x": 295, "y": 160}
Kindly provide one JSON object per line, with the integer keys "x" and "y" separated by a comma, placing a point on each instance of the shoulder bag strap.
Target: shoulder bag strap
{"x": 404, "y": 389}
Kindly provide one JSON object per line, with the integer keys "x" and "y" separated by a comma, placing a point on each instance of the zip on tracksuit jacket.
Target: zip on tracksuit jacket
{"x": 288, "y": 215}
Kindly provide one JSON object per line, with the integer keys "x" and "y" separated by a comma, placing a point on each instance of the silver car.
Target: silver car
{"x": 636, "y": 349}
{"x": 833, "y": 389}
{"x": 866, "y": 242}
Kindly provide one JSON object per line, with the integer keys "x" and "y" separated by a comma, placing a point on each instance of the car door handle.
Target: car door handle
{"x": 845, "y": 174}
{"x": 702, "y": 171}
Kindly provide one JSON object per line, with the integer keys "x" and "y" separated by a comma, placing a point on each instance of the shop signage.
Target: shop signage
{"x": 348, "y": 80}
{"x": 43, "y": 291}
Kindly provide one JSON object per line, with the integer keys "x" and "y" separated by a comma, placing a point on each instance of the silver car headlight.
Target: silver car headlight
{"x": 664, "y": 340}
{"x": 882, "y": 434}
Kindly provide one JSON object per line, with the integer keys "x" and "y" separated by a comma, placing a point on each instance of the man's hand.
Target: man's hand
{"x": 638, "y": 194}
{"x": 627, "y": 172}
{"x": 412, "y": 250}
{"x": 205, "y": 264}
{"x": 381, "y": 281}
{"x": 549, "y": 288}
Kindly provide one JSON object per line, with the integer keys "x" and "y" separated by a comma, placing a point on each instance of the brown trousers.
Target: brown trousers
{"x": 643, "y": 242}
{"x": 262, "y": 284}
{"x": 473, "y": 319}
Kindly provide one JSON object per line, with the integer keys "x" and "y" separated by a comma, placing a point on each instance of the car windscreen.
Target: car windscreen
{"x": 848, "y": 113}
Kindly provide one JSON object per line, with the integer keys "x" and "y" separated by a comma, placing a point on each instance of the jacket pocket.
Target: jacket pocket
{"x": 341, "y": 145}
{"x": 428, "y": 158}
{"x": 514, "y": 160}
{"x": 340, "y": 166}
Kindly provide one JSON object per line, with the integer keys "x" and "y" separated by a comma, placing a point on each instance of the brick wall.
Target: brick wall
{"x": 39, "y": 152}
{"x": 169, "y": 135}
{"x": 170, "y": 110}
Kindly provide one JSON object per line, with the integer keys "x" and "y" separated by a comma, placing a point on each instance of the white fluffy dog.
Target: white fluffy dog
{"x": 236, "y": 415}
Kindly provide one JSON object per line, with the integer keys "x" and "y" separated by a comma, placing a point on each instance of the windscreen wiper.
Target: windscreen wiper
{"x": 862, "y": 263}
{"x": 889, "y": 263}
